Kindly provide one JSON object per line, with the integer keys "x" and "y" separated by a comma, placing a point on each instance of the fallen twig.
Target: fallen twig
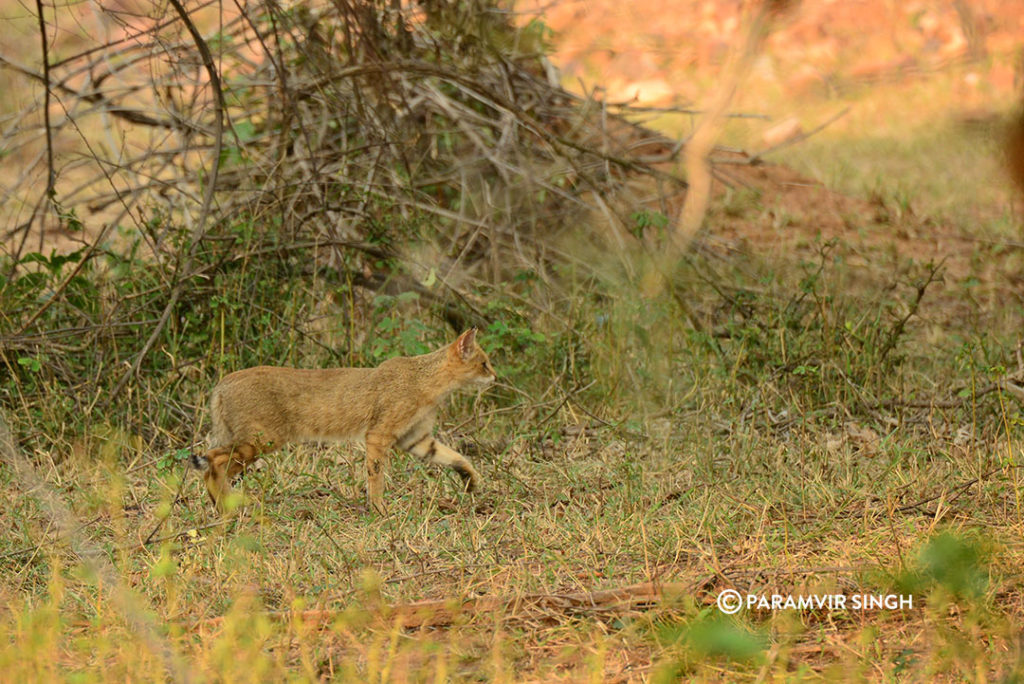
{"x": 443, "y": 612}
{"x": 959, "y": 490}
{"x": 759, "y": 157}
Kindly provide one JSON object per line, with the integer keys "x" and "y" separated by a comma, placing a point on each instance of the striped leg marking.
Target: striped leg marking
{"x": 429, "y": 448}
{"x": 377, "y": 446}
{"x": 224, "y": 464}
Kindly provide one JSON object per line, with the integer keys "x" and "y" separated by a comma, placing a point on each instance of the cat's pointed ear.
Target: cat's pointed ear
{"x": 464, "y": 345}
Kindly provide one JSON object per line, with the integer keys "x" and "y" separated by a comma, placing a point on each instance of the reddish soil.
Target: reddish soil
{"x": 672, "y": 52}
{"x": 669, "y": 51}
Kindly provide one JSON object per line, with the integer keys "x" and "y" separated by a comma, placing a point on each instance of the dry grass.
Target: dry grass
{"x": 732, "y": 485}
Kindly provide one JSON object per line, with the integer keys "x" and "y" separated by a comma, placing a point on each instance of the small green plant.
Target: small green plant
{"x": 395, "y": 334}
{"x": 173, "y": 460}
{"x": 645, "y": 219}
{"x": 954, "y": 564}
{"x": 33, "y": 363}
{"x": 704, "y": 639}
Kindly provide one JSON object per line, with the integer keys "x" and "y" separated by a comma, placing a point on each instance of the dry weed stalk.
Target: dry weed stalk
{"x": 443, "y": 612}
{"x": 702, "y": 142}
{"x": 104, "y": 574}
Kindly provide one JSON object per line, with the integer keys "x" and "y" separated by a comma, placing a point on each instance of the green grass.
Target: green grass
{"x": 701, "y": 507}
{"x": 914, "y": 145}
{"x": 922, "y": 174}
{"x": 714, "y": 461}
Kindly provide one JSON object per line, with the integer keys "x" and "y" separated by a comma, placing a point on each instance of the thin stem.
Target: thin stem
{"x": 51, "y": 177}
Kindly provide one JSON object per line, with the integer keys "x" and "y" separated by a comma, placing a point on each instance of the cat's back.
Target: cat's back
{"x": 408, "y": 373}
{"x": 279, "y": 404}
{"x": 271, "y": 378}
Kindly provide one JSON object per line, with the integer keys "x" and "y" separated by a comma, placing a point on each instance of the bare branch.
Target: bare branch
{"x": 51, "y": 175}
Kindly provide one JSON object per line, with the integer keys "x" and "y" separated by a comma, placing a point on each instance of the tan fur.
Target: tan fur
{"x": 260, "y": 409}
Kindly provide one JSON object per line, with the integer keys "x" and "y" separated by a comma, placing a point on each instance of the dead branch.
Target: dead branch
{"x": 958, "y": 490}
{"x": 443, "y": 612}
{"x": 897, "y": 330}
{"x": 51, "y": 173}
{"x": 759, "y": 157}
{"x": 700, "y": 144}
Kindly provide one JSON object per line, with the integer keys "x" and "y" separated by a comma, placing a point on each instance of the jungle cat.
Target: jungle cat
{"x": 258, "y": 410}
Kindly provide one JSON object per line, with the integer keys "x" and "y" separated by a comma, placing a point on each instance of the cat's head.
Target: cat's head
{"x": 468, "y": 362}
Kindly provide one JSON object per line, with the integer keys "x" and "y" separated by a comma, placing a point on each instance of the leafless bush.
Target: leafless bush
{"x": 195, "y": 157}
{"x": 336, "y": 122}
